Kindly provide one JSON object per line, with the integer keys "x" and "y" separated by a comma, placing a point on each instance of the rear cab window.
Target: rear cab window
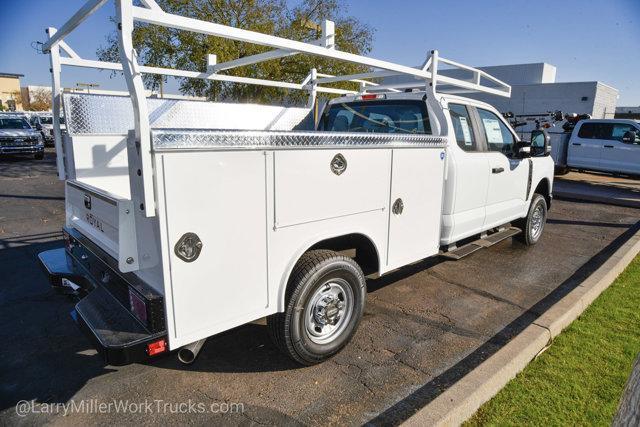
{"x": 388, "y": 116}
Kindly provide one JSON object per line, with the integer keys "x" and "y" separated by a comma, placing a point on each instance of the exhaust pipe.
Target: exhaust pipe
{"x": 189, "y": 352}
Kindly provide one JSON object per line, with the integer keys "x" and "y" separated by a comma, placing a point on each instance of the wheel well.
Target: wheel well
{"x": 543, "y": 190}
{"x": 357, "y": 246}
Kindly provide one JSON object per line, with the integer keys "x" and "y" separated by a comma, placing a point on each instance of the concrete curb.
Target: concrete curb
{"x": 462, "y": 400}
{"x": 566, "y": 195}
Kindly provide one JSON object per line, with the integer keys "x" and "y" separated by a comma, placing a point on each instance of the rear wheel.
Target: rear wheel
{"x": 533, "y": 224}
{"x": 324, "y": 304}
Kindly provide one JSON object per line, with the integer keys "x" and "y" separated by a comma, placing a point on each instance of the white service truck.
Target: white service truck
{"x": 605, "y": 145}
{"x": 186, "y": 218}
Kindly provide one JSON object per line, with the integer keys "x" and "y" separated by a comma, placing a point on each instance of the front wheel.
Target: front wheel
{"x": 324, "y": 304}
{"x": 533, "y": 224}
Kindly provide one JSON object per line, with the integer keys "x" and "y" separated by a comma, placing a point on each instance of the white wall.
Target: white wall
{"x": 566, "y": 97}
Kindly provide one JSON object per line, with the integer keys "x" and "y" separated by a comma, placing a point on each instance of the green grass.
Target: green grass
{"x": 579, "y": 380}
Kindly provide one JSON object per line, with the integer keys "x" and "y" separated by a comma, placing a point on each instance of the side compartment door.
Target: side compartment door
{"x": 508, "y": 175}
{"x": 415, "y": 205}
{"x": 585, "y": 146}
{"x": 220, "y": 197}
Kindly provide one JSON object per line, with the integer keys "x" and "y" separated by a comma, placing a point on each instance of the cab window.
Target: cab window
{"x": 619, "y": 129}
{"x": 499, "y": 137}
{"x": 462, "y": 127}
{"x": 377, "y": 116}
{"x": 591, "y": 130}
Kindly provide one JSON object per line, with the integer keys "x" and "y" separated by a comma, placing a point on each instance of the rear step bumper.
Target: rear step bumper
{"x": 118, "y": 335}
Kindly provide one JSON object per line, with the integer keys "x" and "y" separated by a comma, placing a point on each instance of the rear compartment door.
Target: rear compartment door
{"x": 220, "y": 197}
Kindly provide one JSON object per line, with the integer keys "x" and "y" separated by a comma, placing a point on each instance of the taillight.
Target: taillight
{"x": 138, "y": 306}
{"x": 156, "y": 347}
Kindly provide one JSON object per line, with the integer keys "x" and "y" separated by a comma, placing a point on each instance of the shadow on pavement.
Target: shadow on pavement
{"x": 39, "y": 358}
{"x": 406, "y": 407}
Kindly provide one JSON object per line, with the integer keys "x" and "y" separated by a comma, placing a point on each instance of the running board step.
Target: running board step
{"x": 485, "y": 242}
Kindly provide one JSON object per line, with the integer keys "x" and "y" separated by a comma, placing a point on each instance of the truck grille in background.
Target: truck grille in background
{"x": 17, "y": 141}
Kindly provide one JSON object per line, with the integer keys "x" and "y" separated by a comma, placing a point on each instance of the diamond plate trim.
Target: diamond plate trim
{"x": 110, "y": 114}
{"x": 182, "y": 139}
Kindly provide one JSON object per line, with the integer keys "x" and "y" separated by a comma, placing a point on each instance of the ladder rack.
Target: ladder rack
{"x": 426, "y": 77}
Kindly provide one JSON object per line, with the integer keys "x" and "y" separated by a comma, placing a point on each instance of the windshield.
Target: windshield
{"x": 377, "y": 116}
{"x": 13, "y": 123}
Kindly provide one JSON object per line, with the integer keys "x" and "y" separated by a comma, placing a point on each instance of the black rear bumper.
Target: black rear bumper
{"x": 104, "y": 313}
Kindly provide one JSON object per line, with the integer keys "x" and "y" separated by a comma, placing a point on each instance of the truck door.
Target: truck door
{"x": 508, "y": 176}
{"x": 586, "y": 145}
{"x": 618, "y": 156}
{"x": 467, "y": 179}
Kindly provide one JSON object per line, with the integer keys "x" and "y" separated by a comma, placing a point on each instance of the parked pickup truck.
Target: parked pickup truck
{"x": 605, "y": 145}
{"x": 43, "y": 122}
{"x": 17, "y": 136}
{"x": 185, "y": 219}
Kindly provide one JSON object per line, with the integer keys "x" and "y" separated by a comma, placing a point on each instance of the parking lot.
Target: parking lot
{"x": 424, "y": 327}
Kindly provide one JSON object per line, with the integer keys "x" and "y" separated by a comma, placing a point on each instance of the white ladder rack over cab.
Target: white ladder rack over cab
{"x": 127, "y": 13}
{"x": 139, "y": 149}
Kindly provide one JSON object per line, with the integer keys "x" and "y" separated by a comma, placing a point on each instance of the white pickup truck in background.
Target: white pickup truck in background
{"x": 185, "y": 219}
{"x": 611, "y": 145}
{"x": 602, "y": 145}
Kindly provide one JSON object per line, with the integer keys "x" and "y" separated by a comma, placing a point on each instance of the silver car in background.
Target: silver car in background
{"x": 18, "y": 137}
{"x": 43, "y": 122}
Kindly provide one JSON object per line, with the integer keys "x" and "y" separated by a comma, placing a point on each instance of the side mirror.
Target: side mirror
{"x": 524, "y": 151}
{"x": 629, "y": 137}
{"x": 540, "y": 142}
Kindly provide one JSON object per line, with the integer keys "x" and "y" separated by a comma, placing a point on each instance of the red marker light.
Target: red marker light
{"x": 372, "y": 96}
{"x": 156, "y": 347}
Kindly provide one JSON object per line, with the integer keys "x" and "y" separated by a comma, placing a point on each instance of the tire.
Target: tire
{"x": 330, "y": 285}
{"x": 38, "y": 156}
{"x": 532, "y": 225}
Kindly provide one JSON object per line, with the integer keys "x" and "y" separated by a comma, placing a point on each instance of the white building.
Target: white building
{"x": 534, "y": 90}
{"x": 628, "y": 113}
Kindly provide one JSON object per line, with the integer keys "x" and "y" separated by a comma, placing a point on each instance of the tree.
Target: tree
{"x": 39, "y": 99}
{"x": 166, "y": 47}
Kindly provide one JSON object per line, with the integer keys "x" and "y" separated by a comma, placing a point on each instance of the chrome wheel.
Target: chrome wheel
{"x": 329, "y": 311}
{"x": 537, "y": 221}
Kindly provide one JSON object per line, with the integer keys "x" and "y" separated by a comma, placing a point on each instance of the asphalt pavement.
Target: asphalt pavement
{"x": 425, "y": 326}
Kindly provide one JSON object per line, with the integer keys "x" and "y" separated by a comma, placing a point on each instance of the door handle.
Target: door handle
{"x": 576, "y": 143}
{"x": 497, "y": 170}
{"x": 608, "y": 146}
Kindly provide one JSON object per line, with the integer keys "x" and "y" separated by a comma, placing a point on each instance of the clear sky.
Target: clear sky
{"x": 586, "y": 39}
